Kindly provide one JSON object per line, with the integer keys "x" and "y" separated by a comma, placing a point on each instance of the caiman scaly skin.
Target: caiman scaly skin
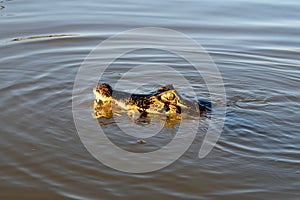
{"x": 165, "y": 100}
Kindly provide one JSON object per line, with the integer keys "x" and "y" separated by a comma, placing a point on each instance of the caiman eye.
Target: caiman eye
{"x": 171, "y": 96}
{"x": 168, "y": 97}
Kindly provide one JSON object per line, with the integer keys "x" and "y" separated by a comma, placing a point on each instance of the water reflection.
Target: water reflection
{"x": 254, "y": 43}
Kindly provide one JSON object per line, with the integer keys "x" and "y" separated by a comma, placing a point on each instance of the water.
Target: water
{"x": 256, "y": 47}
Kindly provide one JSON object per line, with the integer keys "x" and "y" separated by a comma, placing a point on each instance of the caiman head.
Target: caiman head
{"x": 164, "y": 99}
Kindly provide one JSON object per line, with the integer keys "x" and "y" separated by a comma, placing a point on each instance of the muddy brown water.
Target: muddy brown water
{"x": 256, "y": 46}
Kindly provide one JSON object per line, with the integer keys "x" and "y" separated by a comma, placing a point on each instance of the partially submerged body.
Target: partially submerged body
{"x": 165, "y": 100}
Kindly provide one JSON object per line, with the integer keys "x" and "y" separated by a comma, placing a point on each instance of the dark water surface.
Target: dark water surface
{"x": 256, "y": 46}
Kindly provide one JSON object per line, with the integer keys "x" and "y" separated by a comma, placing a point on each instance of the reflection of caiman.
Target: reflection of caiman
{"x": 165, "y": 100}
